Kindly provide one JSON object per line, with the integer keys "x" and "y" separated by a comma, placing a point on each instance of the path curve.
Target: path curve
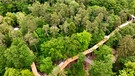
{"x": 69, "y": 60}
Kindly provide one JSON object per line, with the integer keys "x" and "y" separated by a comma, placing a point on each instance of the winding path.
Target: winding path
{"x": 69, "y": 60}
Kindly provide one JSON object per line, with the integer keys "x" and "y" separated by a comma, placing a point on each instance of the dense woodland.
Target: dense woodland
{"x": 54, "y": 30}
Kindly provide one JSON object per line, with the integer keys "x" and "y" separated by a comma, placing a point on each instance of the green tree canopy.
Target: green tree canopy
{"x": 126, "y": 46}
{"x": 18, "y": 54}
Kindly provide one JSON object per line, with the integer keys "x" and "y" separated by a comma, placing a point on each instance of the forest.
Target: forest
{"x": 45, "y": 33}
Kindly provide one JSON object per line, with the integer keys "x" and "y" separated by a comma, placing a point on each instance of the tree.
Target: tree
{"x": 65, "y": 27}
{"x": 127, "y": 59}
{"x": 102, "y": 65}
{"x": 71, "y": 28}
{"x": 128, "y": 70}
{"x": 113, "y": 40}
{"x": 113, "y": 21}
{"x": 127, "y": 30}
{"x": 78, "y": 68}
{"x": 46, "y": 29}
{"x": 10, "y": 19}
{"x": 46, "y": 65}
{"x": 97, "y": 36}
{"x": 31, "y": 41}
{"x": 55, "y": 20}
{"x": 126, "y": 46}
{"x": 2, "y": 59}
{"x": 78, "y": 43}
{"x": 18, "y": 54}
{"x": 57, "y": 72}
{"x": 104, "y": 53}
{"x": 54, "y": 31}
{"x": 101, "y": 68}
{"x": 84, "y": 39}
{"x": 54, "y": 49}
{"x": 123, "y": 16}
{"x": 28, "y": 24}
{"x": 17, "y": 72}
{"x": 26, "y": 72}
{"x": 11, "y": 72}
{"x": 15, "y": 34}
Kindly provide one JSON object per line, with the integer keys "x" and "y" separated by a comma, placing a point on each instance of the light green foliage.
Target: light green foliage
{"x": 53, "y": 48}
{"x": 20, "y": 16}
{"x": 11, "y": 72}
{"x": 84, "y": 39}
{"x": 18, "y": 54}
{"x": 46, "y": 65}
{"x": 35, "y": 8}
{"x": 78, "y": 43}
{"x": 17, "y": 72}
{"x": 26, "y": 72}
{"x": 61, "y": 47}
{"x": 97, "y": 9}
{"x": 129, "y": 69}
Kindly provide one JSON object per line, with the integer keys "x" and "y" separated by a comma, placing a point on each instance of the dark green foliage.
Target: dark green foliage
{"x": 78, "y": 68}
{"x": 127, "y": 59}
{"x": 113, "y": 41}
{"x": 126, "y": 47}
{"x": 2, "y": 59}
{"x": 13, "y": 6}
{"x": 96, "y": 37}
